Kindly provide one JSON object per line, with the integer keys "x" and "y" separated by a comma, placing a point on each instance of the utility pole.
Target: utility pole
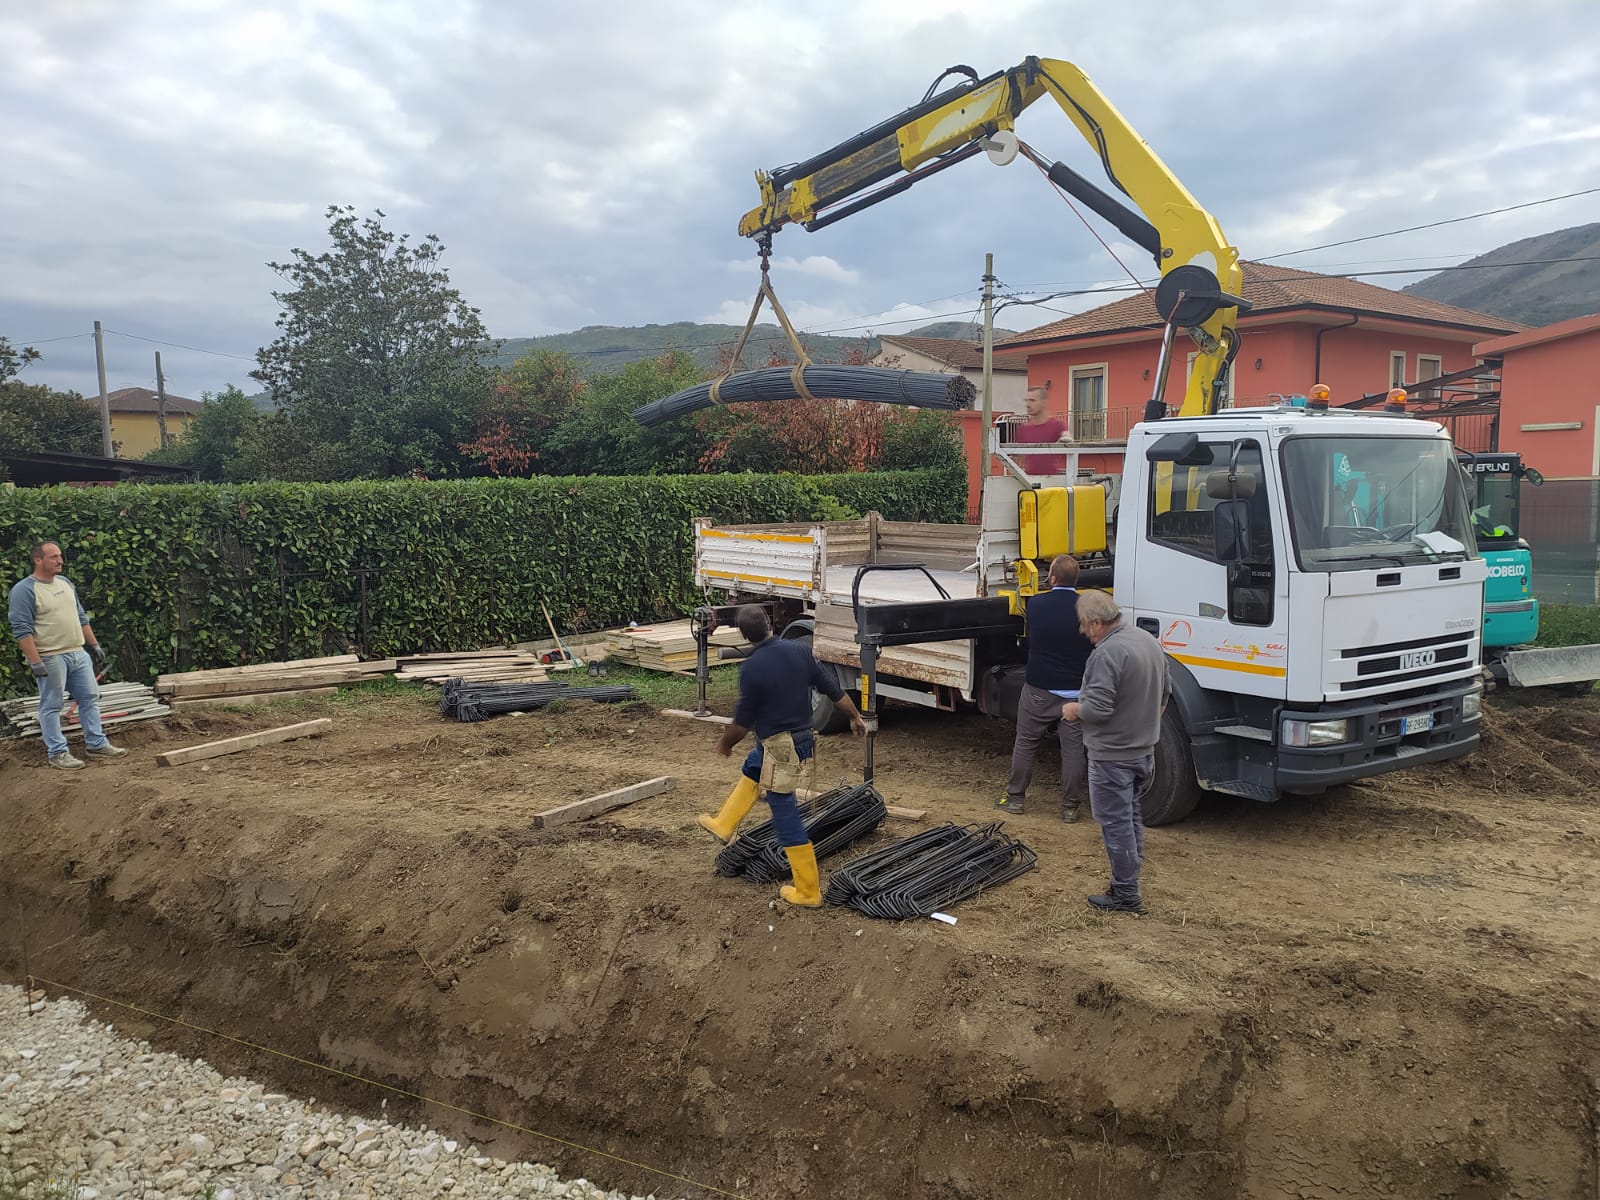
{"x": 988, "y": 381}
{"x": 105, "y": 401}
{"x": 161, "y": 403}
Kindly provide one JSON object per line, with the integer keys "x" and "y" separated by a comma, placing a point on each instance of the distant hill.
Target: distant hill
{"x": 1534, "y": 295}
{"x": 603, "y": 349}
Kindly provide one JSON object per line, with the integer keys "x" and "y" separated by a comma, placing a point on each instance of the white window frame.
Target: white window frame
{"x": 1397, "y": 368}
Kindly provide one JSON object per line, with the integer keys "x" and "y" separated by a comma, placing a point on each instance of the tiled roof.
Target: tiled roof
{"x": 143, "y": 400}
{"x": 1269, "y": 289}
{"x": 964, "y": 356}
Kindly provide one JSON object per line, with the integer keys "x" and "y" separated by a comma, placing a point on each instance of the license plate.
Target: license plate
{"x": 1420, "y": 723}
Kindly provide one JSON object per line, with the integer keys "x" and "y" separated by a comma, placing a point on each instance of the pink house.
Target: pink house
{"x": 1304, "y": 328}
{"x": 1550, "y": 396}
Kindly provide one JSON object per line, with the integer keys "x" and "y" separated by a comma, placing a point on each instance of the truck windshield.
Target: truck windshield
{"x": 1361, "y": 502}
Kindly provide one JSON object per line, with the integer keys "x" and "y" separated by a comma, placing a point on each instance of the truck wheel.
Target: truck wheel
{"x": 1173, "y": 790}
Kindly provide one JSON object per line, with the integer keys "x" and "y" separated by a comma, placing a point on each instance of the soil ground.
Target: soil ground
{"x": 1388, "y": 991}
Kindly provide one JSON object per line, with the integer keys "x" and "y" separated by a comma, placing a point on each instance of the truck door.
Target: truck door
{"x": 1209, "y": 578}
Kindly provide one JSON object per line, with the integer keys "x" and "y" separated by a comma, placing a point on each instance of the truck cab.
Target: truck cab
{"x": 1510, "y": 610}
{"x": 1314, "y": 580}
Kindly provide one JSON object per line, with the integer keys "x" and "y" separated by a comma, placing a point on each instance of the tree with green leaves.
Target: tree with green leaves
{"x": 378, "y": 369}
{"x": 529, "y": 400}
{"x": 35, "y": 418}
{"x": 599, "y": 436}
{"x": 221, "y": 442}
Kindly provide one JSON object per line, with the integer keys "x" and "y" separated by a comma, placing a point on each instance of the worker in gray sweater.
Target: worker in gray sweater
{"x": 1125, "y": 690}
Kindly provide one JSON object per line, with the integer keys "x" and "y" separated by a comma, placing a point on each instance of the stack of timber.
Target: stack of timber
{"x": 472, "y": 666}
{"x": 119, "y": 702}
{"x": 668, "y": 647}
{"x": 265, "y": 682}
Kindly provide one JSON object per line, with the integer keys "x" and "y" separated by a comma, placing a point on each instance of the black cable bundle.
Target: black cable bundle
{"x": 479, "y": 701}
{"x": 929, "y": 871}
{"x": 833, "y": 821}
{"x": 921, "y": 389}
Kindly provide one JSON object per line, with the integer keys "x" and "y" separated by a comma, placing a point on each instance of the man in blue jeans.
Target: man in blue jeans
{"x": 53, "y": 632}
{"x": 775, "y": 685}
{"x": 1125, "y": 688}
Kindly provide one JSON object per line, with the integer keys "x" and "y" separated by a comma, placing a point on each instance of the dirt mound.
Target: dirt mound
{"x": 1388, "y": 992}
{"x": 1530, "y": 750}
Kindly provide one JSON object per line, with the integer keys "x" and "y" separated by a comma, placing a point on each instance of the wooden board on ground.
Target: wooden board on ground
{"x": 580, "y": 810}
{"x": 708, "y": 718}
{"x": 288, "y": 680}
{"x": 264, "y": 737}
{"x": 255, "y": 698}
{"x": 271, "y": 668}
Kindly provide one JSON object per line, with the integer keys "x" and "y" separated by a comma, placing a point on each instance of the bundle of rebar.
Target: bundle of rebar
{"x": 929, "y": 872}
{"x": 920, "y": 389}
{"x": 833, "y": 821}
{"x": 466, "y": 701}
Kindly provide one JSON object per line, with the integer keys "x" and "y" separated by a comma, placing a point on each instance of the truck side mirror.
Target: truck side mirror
{"x": 1533, "y": 476}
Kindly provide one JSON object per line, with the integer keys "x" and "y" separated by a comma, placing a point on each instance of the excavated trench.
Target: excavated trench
{"x": 376, "y": 903}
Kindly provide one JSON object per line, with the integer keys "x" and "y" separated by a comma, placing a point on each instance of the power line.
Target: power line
{"x": 1431, "y": 224}
{"x": 65, "y": 337}
{"x": 177, "y": 346}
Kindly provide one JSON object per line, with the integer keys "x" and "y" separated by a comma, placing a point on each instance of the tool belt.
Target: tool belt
{"x": 782, "y": 771}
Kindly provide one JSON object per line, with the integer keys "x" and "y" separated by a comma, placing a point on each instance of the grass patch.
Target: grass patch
{"x": 661, "y": 689}
{"x": 1568, "y": 625}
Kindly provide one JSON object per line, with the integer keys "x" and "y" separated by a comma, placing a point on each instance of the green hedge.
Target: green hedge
{"x": 178, "y": 578}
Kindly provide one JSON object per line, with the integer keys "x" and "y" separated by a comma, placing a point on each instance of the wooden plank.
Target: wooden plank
{"x": 278, "y": 683}
{"x": 709, "y": 718}
{"x": 258, "y": 668}
{"x": 265, "y": 737}
{"x": 580, "y": 810}
{"x": 460, "y": 655}
{"x": 254, "y": 698}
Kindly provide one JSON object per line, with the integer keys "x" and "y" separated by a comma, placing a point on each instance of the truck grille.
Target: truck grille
{"x": 1398, "y": 664}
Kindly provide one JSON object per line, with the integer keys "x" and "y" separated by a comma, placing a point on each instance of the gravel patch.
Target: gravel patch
{"x": 86, "y": 1114}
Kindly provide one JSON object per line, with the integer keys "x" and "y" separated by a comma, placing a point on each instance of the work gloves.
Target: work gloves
{"x": 98, "y": 653}
{"x": 40, "y": 671}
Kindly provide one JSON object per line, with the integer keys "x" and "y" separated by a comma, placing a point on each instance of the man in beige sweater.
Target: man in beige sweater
{"x": 53, "y": 633}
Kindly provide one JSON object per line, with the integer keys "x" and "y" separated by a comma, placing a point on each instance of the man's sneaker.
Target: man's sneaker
{"x": 65, "y": 762}
{"x": 1116, "y": 904}
{"x": 1070, "y": 813}
{"x": 1014, "y": 807}
{"x": 106, "y": 751}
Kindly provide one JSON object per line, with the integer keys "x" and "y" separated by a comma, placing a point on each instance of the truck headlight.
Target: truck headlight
{"x": 1472, "y": 705}
{"x": 1315, "y": 733}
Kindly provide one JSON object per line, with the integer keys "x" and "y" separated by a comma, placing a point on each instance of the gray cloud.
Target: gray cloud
{"x": 588, "y": 166}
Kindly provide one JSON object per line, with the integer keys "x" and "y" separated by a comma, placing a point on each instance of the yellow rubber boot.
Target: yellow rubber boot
{"x": 739, "y": 802}
{"x": 807, "y": 889}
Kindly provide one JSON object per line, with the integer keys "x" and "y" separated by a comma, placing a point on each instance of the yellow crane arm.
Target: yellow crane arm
{"x": 1200, "y": 277}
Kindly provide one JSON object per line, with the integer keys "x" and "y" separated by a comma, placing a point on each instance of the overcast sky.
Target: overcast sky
{"x": 587, "y": 164}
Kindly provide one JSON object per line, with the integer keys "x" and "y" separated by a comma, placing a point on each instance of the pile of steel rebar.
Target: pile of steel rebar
{"x": 920, "y": 389}
{"x": 833, "y": 820}
{"x": 466, "y": 701}
{"x": 929, "y": 871}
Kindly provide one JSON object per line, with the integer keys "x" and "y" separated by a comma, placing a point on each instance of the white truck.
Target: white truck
{"x": 1312, "y": 574}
